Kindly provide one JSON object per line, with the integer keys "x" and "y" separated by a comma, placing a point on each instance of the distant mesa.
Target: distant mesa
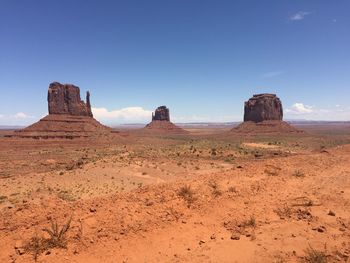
{"x": 263, "y": 113}
{"x": 161, "y": 122}
{"x": 69, "y": 116}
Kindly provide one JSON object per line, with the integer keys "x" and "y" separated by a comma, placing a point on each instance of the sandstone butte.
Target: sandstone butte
{"x": 161, "y": 122}
{"x": 69, "y": 116}
{"x": 263, "y": 113}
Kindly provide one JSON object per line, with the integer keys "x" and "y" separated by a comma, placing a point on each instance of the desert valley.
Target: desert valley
{"x": 74, "y": 190}
{"x": 163, "y": 131}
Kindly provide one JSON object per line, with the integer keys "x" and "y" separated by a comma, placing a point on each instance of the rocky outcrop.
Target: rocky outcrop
{"x": 161, "y": 114}
{"x": 65, "y": 99}
{"x": 263, "y": 107}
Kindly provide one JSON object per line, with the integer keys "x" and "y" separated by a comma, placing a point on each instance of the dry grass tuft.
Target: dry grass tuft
{"x": 315, "y": 256}
{"x": 187, "y": 194}
{"x": 284, "y": 212}
{"x": 251, "y": 222}
{"x": 215, "y": 188}
{"x": 298, "y": 173}
{"x": 58, "y": 239}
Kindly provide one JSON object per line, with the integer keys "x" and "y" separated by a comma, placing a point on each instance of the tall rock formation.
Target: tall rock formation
{"x": 161, "y": 122}
{"x": 69, "y": 116}
{"x": 161, "y": 114}
{"x": 263, "y": 114}
{"x": 65, "y": 99}
{"x": 263, "y": 107}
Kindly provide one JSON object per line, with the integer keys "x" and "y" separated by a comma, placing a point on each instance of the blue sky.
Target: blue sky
{"x": 202, "y": 59}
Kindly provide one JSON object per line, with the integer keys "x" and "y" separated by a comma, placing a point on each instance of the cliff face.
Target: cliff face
{"x": 263, "y": 107}
{"x": 161, "y": 114}
{"x": 65, "y": 99}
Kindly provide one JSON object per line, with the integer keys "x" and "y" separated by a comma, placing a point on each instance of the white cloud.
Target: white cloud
{"x": 302, "y": 111}
{"x": 272, "y": 74}
{"x": 19, "y": 118}
{"x": 124, "y": 115}
{"x": 21, "y": 115}
{"x": 299, "y": 108}
{"x": 299, "y": 16}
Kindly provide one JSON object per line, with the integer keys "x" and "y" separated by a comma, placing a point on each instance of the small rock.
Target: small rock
{"x": 235, "y": 236}
{"x": 93, "y": 210}
{"x": 201, "y": 242}
{"x": 213, "y": 236}
{"x": 331, "y": 213}
{"x": 321, "y": 229}
{"x": 21, "y": 251}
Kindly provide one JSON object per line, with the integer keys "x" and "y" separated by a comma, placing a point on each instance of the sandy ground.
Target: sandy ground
{"x": 209, "y": 196}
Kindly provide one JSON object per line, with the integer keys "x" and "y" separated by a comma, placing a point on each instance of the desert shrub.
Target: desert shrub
{"x": 284, "y": 212}
{"x": 186, "y": 193}
{"x": 36, "y": 245}
{"x": 57, "y": 239}
{"x": 251, "y": 222}
{"x": 66, "y": 195}
{"x": 215, "y": 188}
{"x": 298, "y": 173}
{"x": 57, "y": 235}
{"x": 315, "y": 256}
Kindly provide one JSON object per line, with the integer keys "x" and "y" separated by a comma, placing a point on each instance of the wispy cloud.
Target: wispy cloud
{"x": 334, "y": 113}
{"x": 272, "y": 74}
{"x": 19, "y": 118}
{"x": 129, "y": 114}
{"x": 299, "y": 16}
{"x": 299, "y": 108}
{"x": 22, "y": 115}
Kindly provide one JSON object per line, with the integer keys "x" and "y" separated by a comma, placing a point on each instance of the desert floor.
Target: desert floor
{"x": 208, "y": 196}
